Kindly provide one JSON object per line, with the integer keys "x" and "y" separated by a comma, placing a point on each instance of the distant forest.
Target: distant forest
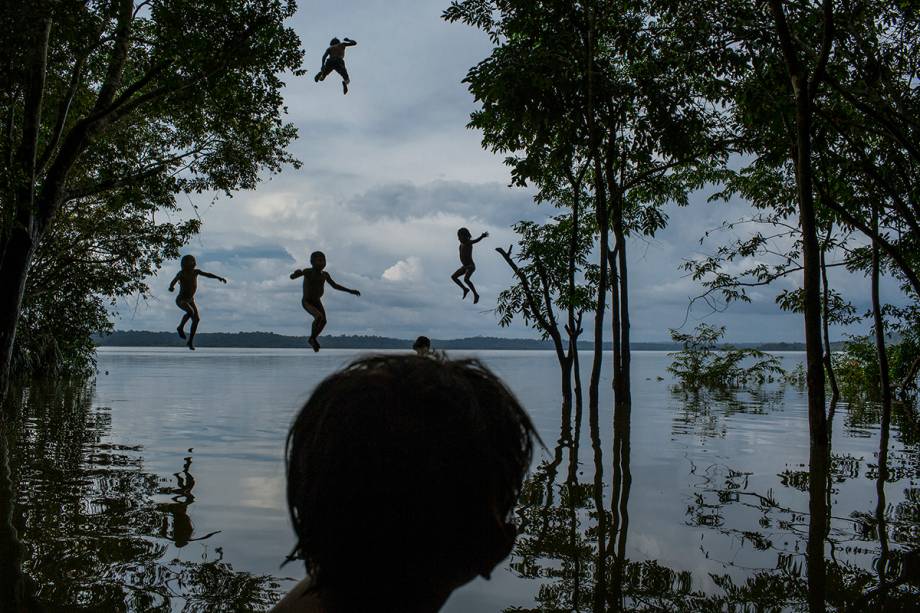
{"x": 270, "y": 340}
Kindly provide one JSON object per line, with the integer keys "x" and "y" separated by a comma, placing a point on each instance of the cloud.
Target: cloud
{"x": 390, "y": 172}
{"x": 409, "y": 269}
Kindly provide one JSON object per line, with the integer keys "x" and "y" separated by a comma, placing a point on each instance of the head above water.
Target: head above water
{"x": 402, "y": 474}
{"x": 334, "y": 42}
{"x": 187, "y": 262}
{"x": 318, "y": 260}
{"x": 464, "y": 234}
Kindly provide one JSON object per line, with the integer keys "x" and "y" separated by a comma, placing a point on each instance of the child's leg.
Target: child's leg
{"x": 340, "y": 68}
{"x": 323, "y": 73}
{"x": 195, "y": 319}
{"x": 469, "y": 273}
{"x": 187, "y": 314}
{"x": 319, "y": 321}
{"x": 456, "y": 277}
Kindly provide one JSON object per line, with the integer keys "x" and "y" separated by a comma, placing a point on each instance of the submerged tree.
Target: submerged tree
{"x": 702, "y": 363}
{"x": 129, "y": 105}
{"x": 590, "y": 80}
{"x": 554, "y": 280}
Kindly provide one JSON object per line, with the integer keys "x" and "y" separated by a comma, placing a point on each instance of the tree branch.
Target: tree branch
{"x": 118, "y": 57}
{"x": 827, "y": 40}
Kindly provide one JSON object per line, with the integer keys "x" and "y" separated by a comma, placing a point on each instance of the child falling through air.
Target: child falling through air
{"x": 467, "y": 267}
{"x": 187, "y": 278}
{"x": 334, "y": 59}
{"x": 314, "y": 284}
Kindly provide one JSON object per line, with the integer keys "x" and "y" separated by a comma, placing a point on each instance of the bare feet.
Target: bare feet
{"x": 181, "y": 332}
{"x": 465, "y": 292}
{"x": 475, "y": 298}
{"x": 190, "y": 345}
{"x": 344, "y": 87}
{"x": 313, "y": 343}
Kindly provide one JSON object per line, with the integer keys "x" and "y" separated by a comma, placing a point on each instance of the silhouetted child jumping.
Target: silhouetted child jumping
{"x": 187, "y": 278}
{"x": 314, "y": 284}
{"x": 334, "y": 59}
{"x": 402, "y": 476}
{"x": 468, "y": 267}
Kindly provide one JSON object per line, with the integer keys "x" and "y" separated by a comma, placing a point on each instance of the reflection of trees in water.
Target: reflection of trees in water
{"x": 705, "y": 411}
{"x": 93, "y": 537}
{"x": 576, "y": 547}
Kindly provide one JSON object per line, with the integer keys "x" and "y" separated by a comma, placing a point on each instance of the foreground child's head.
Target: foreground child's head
{"x": 187, "y": 262}
{"x": 334, "y": 42}
{"x": 464, "y": 234}
{"x": 403, "y": 473}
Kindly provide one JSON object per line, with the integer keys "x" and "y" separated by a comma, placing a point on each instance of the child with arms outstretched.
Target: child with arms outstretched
{"x": 467, "y": 267}
{"x": 334, "y": 59}
{"x": 314, "y": 284}
{"x": 187, "y": 278}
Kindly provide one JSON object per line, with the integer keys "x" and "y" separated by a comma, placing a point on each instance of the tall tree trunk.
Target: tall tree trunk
{"x": 14, "y": 270}
{"x": 885, "y": 383}
{"x": 825, "y": 322}
{"x": 624, "y": 394}
{"x": 883, "y": 372}
{"x": 803, "y": 89}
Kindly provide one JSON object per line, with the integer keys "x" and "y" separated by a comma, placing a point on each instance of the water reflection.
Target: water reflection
{"x": 91, "y": 534}
{"x": 790, "y": 548}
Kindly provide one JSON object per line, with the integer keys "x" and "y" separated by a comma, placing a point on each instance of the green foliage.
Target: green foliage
{"x": 140, "y": 104}
{"x": 702, "y": 363}
{"x": 99, "y": 251}
{"x": 543, "y": 254}
{"x": 857, "y": 368}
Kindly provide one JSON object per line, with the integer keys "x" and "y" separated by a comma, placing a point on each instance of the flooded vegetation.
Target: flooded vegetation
{"x": 695, "y": 500}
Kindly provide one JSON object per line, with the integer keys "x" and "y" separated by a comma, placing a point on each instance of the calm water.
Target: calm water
{"x": 162, "y": 488}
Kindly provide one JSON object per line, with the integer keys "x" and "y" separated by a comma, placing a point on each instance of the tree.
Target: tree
{"x": 115, "y": 101}
{"x": 98, "y": 251}
{"x": 589, "y": 80}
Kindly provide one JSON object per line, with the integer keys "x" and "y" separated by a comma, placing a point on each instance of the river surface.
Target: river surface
{"x": 161, "y": 487}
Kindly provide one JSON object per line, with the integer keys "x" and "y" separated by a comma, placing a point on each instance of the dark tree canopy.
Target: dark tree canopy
{"x": 110, "y": 110}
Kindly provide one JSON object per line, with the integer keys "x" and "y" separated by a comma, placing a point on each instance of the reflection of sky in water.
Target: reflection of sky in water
{"x": 696, "y": 463}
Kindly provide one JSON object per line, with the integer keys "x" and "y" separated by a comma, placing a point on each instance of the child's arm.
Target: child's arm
{"x": 348, "y": 42}
{"x": 172, "y": 284}
{"x": 341, "y": 288}
{"x": 476, "y": 240}
{"x": 325, "y": 55}
{"x": 211, "y": 276}
{"x": 297, "y": 274}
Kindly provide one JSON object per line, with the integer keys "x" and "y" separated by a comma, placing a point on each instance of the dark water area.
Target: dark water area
{"x": 160, "y": 487}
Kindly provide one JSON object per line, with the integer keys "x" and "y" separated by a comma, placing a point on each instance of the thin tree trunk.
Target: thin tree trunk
{"x": 825, "y": 320}
{"x": 624, "y": 388}
{"x": 884, "y": 373}
{"x": 14, "y": 270}
{"x": 803, "y": 91}
{"x": 885, "y": 383}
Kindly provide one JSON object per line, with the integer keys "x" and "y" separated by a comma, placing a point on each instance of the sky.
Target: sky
{"x": 390, "y": 172}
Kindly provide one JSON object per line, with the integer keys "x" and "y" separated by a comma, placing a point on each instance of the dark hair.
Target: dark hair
{"x": 422, "y": 341}
{"x": 334, "y": 41}
{"x": 186, "y": 261}
{"x": 463, "y": 232}
{"x": 317, "y": 254}
{"x": 402, "y": 468}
